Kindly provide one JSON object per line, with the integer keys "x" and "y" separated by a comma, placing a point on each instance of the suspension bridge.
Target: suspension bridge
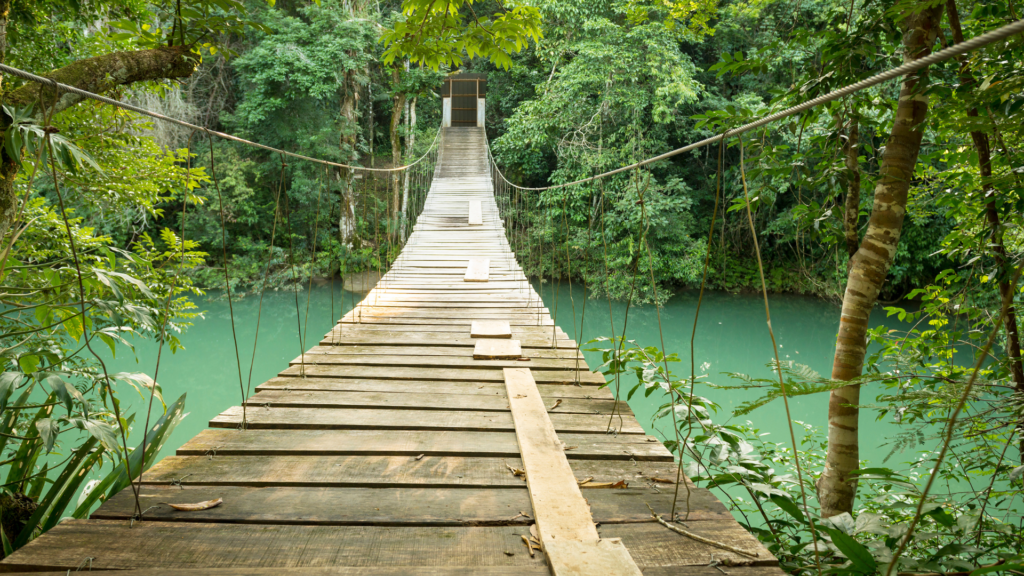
{"x": 444, "y": 426}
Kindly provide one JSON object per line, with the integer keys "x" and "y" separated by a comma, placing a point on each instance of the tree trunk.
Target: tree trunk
{"x": 397, "y": 106}
{"x": 870, "y": 264}
{"x": 981, "y": 144}
{"x": 349, "y": 154}
{"x": 851, "y": 218}
{"x": 98, "y": 74}
{"x": 410, "y": 145}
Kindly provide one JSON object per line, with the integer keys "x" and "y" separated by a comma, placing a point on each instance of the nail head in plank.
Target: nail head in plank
{"x": 490, "y": 329}
{"x": 478, "y": 270}
{"x": 495, "y": 349}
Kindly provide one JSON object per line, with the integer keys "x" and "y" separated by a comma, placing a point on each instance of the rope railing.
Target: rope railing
{"x": 125, "y": 106}
{"x": 975, "y": 43}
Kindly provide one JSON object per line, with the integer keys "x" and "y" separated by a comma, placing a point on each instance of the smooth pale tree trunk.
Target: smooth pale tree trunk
{"x": 98, "y": 74}
{"x": 871, "y": 262}
{"x": 349, "y": 154}
{"x": 981, "y": 144}
{"x": 851, "y": 217}
{"x": 411, "y": 147}
{"x": 398, "y": 105}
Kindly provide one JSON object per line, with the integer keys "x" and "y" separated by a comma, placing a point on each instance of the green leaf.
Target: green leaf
{"x": 117, "y": 479}
{"x": 789, "y": 507}
{"x": 858, "y": 554}
{"x": 8, "y": 383}
{"x": 29, "y": 363}
{"x": 8, "y": 549}
{"x": 48, "y": 429}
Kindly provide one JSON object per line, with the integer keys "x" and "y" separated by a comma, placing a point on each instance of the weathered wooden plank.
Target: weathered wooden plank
{"x": 526, "y": 329}
{"x": 653, "y": 545}
{"x": 415, "y": 442}
{"x": 584, "y": 377}
{"x": 558, "y": 504}
{"x": 490, "y": 329}
{"x": 167, "y": 545}
{"x": 607, "y": 556}
{"x": 328, "y": 571}
{"x": 475, "y": 213}
{"x": 329, "y": 506}
{"x": 381, "y": 419}
{"x": 501, "y": 349}
{"x": 478, "y": 270}
{"x": 171, "y": 545}
{"x": 352, "y": 334}
{"x": 461, "y": 351}
{"x": 547, "y": 391}
{"x": 327, "y": 358}
{"x": 414, "y": 401}
{"x": 207, "y": 468}
{"x": 528, "y": 320}
{"x": 455, "y": 312}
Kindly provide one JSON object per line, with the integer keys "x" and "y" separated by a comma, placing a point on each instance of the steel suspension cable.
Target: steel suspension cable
{"x": 971, "y": 45}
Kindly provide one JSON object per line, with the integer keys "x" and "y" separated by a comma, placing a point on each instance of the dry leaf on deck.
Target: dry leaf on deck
{"x": 515, "y": 471}
{"x": 555, "y": 405}
{"x": 663, "y": 480}
{"x": 584, "y": 481}
{"x": 420, "y": 457}
{"x": 197, "y": 506}
{"x": 529, "y": 547}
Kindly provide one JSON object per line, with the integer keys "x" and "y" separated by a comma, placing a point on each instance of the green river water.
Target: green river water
{"x": 732, "y": 336}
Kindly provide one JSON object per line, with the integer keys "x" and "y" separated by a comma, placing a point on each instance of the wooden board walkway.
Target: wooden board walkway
{"x": 395, "y": 446}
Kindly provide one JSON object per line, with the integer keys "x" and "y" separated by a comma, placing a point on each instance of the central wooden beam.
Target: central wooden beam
{"x": 564, "y": 523}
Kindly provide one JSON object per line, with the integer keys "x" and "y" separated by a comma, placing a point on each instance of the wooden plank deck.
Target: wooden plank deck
{"x": 391, "y": 448}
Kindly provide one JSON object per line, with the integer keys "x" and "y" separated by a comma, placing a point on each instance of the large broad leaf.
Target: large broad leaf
{"x": 860, "y": 557}
{"x": 117, "y": 479}
{"x": 789, "y": 507}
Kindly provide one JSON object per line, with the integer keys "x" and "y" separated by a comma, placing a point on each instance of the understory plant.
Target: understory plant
{"x": 971, "y": 525}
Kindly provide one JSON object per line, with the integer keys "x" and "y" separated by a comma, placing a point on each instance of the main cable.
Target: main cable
{"x": 907, "y": 68}
{"x": 84, "y": 93}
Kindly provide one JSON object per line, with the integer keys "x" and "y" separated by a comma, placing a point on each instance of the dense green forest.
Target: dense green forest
{"x": 907, "y": 195}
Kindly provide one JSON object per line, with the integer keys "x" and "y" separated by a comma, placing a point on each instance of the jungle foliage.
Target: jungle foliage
{"x": 115, "y": 222}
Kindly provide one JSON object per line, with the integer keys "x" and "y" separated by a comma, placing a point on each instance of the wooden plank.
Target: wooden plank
{"x": 330, "y": 571}
{"x": 511, "y": 359}
{"x": 411, "y": 401}
{"x": 113, "y": 545}
{"x": 478, "y": 270}
{"x": 249, "y": 468}
{"x": 500, "y": 349}
{"x": 475, "y": 213}
{"x": 386, "y": 506}
{"x": 558, "y": 504}
{"x": 383, "y": 419}
{"x": 355, "y": 335}
{"x": 547, "y": 391}
{"x": 584, "y": 377}
{"x": 652, "y": 545}
{"x": 461, "y": 351}
{"x": 490, "y": 329}
{"x": 415, "y": 442}
{"x": 605, "y": 556}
